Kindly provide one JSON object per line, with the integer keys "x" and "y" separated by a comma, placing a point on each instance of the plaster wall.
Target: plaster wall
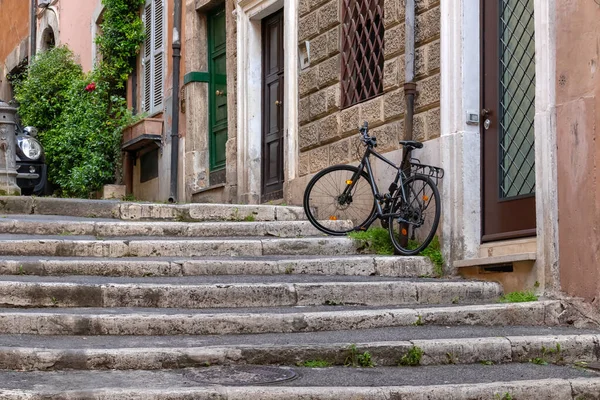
{"x": 578, "y": 124}
{"x": 14, "y": 46}
{"x": 76, "y": 21}
{"x": 14, "y": 25}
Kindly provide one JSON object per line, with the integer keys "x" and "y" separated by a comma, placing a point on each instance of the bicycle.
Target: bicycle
{"x": 410, "y": 210}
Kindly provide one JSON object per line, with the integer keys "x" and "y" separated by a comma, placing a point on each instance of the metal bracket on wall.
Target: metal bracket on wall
{"x": 196, "y": 76}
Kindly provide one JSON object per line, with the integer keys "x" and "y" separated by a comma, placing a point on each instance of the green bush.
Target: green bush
{"x": 83, "y": 146}
{"x": 42, "y": 94}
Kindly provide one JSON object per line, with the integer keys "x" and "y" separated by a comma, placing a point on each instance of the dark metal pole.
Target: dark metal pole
{"x": 175, "y": 99}
{"x": 32, "y": 30}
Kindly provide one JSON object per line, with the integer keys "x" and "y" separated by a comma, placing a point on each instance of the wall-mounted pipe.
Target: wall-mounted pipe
{"x": 410, "y": 87}
{"x": 32, "y": 30}
{"x": 175, "y": 100}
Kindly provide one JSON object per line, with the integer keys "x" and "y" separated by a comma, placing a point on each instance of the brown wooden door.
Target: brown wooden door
{"x": 507, "y": 122}
{"x": 272, "y": 136}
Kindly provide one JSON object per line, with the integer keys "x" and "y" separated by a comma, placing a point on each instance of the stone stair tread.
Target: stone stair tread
{"x": 10, "y": 237}
{"x": 329, "y": 383}
{"x": 144, "y": 210}
{"x": 275, "y": 257}
{"x": 379, "y": 335}
{"x": 249, "y": 311}
{"x": 230, "y": 280}
{"x": 51, "y": 225}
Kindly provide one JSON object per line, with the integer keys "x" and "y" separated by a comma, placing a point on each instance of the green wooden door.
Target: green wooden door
{"x": 217, "y": 91}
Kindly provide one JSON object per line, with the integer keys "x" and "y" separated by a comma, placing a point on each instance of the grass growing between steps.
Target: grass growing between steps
{"x": 378, "y": 241}
{"x": 375, "y": 239}
{"x": 412, "y": 358}
{"x": 518, "y": 297}
{"x": 315, "y": 364}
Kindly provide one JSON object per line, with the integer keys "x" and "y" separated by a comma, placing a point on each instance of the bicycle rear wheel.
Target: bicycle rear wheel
{"x": 416, "y": 219}
{"x": 339, "y": 193}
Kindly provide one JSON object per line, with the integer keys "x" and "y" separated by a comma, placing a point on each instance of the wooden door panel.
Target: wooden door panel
{"x": 508, "y": 98}
{"x": 217, "y": 95}
{"x": 273, "y": 124}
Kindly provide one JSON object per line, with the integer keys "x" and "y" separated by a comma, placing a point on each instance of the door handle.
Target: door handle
{"x": 220, "y": 93}
{"x": 277, "y": 103}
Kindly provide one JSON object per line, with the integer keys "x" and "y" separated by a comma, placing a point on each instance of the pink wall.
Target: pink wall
{"x": 578, "y": 124}
{"x": 75, "y": 17}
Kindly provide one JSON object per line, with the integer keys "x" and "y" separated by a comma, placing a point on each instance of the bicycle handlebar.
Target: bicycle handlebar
{"x": 370, "y": 141}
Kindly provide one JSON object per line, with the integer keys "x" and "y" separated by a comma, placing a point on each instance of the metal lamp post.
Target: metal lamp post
{"x": 8, "y": 164}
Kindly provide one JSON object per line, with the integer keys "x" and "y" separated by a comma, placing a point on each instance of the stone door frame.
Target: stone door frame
{"x": 249, "y": 92}
{"x": 461, "y": 146}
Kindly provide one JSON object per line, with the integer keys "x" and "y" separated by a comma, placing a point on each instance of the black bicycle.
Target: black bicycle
{"x": 410, "y": 210}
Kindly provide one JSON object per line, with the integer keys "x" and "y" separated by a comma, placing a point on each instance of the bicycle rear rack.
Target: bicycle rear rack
{"x": 417, "y": 168}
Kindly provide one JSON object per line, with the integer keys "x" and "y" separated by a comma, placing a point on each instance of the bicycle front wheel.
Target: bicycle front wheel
{"x": 416, "y": 215}
{"x": 339, "y": 193}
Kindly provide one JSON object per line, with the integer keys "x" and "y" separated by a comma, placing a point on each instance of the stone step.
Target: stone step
{"x": 365, "y": 265}
{"x": 386, "y": 347}
{"x": 84, "y": 246}
{"x": 147, "y": 211}
{"x": 151, "y": 321}
{"x": 467, "y": 382}
{"x": 51, "y": 225}
{"x": 237, "y": 291}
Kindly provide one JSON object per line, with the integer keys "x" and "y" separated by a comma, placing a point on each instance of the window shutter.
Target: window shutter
{"x": 158, "y": 56}
{"x": 146, "y": 59}
{"x": 153, "y": 60}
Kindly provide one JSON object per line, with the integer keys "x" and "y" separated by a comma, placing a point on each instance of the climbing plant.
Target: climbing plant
{"x": 122, "y": 34}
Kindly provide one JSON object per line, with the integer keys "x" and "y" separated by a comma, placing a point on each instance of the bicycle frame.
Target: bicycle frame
{"x": 398, "y": 181}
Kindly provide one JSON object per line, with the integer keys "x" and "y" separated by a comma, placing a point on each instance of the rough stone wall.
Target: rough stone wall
{"x": 328, "y": 134}
{"x": 230, "y": 194}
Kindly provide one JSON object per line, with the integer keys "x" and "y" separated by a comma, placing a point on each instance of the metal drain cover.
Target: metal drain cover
{"x": 240, "y": 375}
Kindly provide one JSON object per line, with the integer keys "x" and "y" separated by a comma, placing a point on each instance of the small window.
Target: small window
{"x": 362, "y": 50}
{"x": 153, "y": 57}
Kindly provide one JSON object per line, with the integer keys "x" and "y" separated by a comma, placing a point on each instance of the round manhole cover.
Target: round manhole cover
{"x": 241, "y": 375}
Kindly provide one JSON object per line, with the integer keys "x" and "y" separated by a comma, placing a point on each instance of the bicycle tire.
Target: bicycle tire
{"x": 409, "y": 249}
{"x": 334, "y": 213}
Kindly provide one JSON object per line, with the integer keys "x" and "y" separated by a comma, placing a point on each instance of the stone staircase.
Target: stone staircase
{"x": 110, "y": 300}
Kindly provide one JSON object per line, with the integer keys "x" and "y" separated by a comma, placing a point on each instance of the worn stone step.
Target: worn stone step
{"x": 365, "y": 265}
{"x": 152, "y": 321}
{"x": 386, "y": 347}
{"x": 467, "y": 382}
{"x": 53, "y": 225}
{"x": 89, "y": 246}
{"x": 237, "y": 291}
{"x": 147, "y": 211}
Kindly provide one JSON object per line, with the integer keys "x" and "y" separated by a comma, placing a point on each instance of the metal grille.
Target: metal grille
{"x": 362, "y": 50}
{"x": 517, "y": 98}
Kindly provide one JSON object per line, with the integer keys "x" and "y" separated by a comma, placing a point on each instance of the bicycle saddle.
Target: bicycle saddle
{"x": 412, "y": 144}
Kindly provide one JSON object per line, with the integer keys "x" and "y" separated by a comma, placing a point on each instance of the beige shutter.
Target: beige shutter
{"x": 146, "y": 59}
{"x": 153, "y": 60}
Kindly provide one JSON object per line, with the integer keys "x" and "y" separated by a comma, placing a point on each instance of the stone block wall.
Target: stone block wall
{"x": 328, "y": 134}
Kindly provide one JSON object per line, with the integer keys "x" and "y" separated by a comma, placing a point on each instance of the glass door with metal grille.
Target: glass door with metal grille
{"x": 508, "y": 110}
